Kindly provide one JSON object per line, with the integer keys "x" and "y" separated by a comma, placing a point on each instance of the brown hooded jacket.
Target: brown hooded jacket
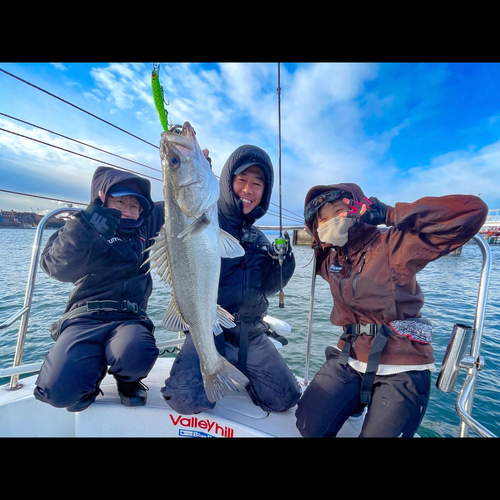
{"x": 373, "y": 277}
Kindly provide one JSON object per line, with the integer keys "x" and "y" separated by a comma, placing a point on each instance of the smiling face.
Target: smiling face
{"x": 337, "y": 208}
{"x": 249, "y": 186}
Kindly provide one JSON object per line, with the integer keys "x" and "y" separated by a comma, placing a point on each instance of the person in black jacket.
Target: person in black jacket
{"x": 245, "y": 283}
{"x": 105, "y": 322}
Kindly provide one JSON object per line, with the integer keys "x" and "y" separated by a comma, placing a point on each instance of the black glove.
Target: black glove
{"x": 376, "y": 212}
{"x": 103, "y": 220}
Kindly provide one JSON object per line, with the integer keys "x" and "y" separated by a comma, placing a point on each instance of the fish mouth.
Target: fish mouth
{"x": 186, "y": 138}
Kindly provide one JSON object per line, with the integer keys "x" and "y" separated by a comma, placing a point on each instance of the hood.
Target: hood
{"x": 105, "y": 177}
{"x": 356, "y": 195}
{"x": 229, "y": 204}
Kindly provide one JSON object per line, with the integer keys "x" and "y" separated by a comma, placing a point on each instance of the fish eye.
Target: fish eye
{"x": 174, "y": 162}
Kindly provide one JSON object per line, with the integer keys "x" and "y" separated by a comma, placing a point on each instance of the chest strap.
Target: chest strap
{"x": 351, "y": 333}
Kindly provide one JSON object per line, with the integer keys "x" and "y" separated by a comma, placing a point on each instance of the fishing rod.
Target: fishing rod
{"x": 281, "y": 242}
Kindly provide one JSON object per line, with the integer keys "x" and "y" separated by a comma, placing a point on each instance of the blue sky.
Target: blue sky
{"x": 399, "y": 130}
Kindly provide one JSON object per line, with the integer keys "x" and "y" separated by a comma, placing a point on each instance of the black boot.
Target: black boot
{"x": 132, "y": 393}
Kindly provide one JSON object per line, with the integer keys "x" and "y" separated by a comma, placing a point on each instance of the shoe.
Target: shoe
{"x": 358, "y": 414}
{"x": 132, "y": 393}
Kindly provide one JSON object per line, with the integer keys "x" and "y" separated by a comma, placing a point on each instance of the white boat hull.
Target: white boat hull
{"x": 21, "y": 415}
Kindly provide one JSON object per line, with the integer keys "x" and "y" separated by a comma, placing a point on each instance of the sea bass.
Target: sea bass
{"x": 187, "y": 253}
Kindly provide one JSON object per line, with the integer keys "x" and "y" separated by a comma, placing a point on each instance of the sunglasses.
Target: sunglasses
{"x": 315, "y": 204}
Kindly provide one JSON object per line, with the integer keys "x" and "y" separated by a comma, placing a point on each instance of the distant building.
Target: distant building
{"x": 11, "y": 218}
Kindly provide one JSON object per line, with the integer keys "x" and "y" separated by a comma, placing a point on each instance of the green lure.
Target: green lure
{"x": 158, "y": 97}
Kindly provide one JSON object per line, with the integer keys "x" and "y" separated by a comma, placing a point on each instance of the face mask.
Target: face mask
{"x": 130, "y": 224}
{"x": 335, "y": 231}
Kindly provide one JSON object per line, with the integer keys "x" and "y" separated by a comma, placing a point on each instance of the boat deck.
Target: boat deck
{"x": 21, "y": 415}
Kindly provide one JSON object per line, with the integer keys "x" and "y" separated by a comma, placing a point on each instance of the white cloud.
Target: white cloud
{"x": 120, "y": 83}
{"x": 60, "y": 66}
{"x": 456, "y": 172}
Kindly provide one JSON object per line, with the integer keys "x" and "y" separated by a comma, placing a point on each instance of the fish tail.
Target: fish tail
{"x": 218, "y": 384}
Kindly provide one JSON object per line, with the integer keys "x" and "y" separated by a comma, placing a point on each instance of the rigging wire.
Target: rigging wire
{"x": 72, "y": 202}
{"x": 294, "y": 217}
{"x": 43, "y": 197}
{"x": 75, "y": 153}
{"x": 77, "y": 107}
{"x": 79, "y": 142}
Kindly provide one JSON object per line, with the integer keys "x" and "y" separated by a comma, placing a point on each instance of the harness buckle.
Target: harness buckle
{"x": 129, "y": 307}
{"x": 370, "y": 329}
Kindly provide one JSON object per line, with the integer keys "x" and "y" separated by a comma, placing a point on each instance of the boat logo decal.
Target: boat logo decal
{"x": 200, "y": 427}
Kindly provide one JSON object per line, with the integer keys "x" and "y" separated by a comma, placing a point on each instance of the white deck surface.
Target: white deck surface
{"x": 233, "y": 416}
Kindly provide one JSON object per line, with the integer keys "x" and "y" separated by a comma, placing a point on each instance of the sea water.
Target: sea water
{"x": 450, "y": 286}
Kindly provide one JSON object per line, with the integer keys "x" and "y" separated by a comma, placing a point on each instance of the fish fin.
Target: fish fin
{"x": 158, "y": 258}
{"x": 173, "y": 321}
{"x": 219, "y": 384}
{"x": 229, "y": 246}
{"x": 222, "y": 318}
{"x": 200, "y": 224}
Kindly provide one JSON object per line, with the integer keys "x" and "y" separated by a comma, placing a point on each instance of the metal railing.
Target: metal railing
{"x": 17, "y": 367}
{"x": 473, "y": 362}
{"x": 24, "y": 312}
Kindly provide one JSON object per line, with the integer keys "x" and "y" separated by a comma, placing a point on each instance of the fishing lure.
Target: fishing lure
{"x": 158, "y": 96}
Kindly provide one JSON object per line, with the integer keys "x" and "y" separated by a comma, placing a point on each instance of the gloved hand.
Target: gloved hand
{"x": 375, "y": 213}
{"x": 104, "y": 220}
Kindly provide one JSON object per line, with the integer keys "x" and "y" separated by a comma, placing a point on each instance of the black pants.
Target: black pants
{"x": 76, "y": 364}
{"x": 398, "y": 404}
{"x": 273, "y": 386}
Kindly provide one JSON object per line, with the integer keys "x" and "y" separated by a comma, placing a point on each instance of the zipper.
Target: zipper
{"x": 357, "y": 274}
{"x": 348, "y": 260}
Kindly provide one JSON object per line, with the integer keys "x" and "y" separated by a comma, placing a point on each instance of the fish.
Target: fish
{"x": 187, "y": 252}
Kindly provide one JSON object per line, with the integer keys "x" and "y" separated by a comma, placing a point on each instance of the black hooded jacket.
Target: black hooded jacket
{"x": 105, "y": 269}
{"x": 246, "y": 282}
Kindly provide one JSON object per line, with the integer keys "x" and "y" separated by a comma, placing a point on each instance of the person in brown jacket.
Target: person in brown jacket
{"x": 384, "y": 358}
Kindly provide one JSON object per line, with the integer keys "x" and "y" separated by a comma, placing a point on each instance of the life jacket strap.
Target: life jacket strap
{"x": 351, "y": 333}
